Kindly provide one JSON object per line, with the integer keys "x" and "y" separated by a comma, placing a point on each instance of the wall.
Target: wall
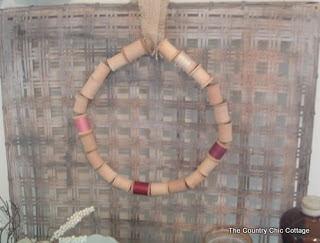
{"x": 4, "y": 185}
{"x": 21, "y": 3}
{"x": 314, "y": 179}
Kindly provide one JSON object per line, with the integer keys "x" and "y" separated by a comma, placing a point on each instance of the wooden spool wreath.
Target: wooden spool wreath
{"x": 127, "y": 55}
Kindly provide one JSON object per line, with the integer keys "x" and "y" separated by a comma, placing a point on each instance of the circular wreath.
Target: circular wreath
{"x": 127, "y": 55}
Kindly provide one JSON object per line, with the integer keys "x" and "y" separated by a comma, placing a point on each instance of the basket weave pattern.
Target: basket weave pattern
{"x": 152, "y": 121}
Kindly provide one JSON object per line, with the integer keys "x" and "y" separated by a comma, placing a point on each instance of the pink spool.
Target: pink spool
{"x": 83, "y": 124}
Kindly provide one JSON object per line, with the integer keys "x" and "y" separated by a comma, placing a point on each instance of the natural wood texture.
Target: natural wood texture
{"x": 81, "y": 104}
{"x": 135, "y": 50}
{"x": 159, "y": 189}
{"x": 225, "y": 132}
{"x": 95, "y": 81}
{"x": 122, "y": 183}
{"x": 185, "y": 62}
{"x": 201, "y": 76}
{"x": 221, "y": 113}
{"x": 194, "y": 179}
{"x": 88, "y": 141}
{"x": 168, "y": 50}
{"x": 101, "y": 72}
{"x": 207, "y": 166}
{"x": 107, "y": 173}
{"x": 178, "y": 185}
{"x": 95, "y": 159}
{"x": 117, "y": 61}
{"x": 91, "y": 87}
{"x": 214, "y": 94}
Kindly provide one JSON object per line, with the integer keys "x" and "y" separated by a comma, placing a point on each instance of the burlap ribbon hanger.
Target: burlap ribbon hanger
{"x": 153, "y": 14}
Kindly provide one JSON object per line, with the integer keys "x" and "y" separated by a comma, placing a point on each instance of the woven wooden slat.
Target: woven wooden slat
{"x": 152, "y": 121}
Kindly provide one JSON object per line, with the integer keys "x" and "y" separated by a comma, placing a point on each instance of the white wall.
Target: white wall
{"x": 314, "y": 178}
{"x": 4, "y": 185}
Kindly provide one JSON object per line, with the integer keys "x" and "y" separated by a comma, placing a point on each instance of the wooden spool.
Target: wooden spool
{"x": 81, "y": 104}
{"x": 201, "y": 76}
{"x": 181, "y": 59}
{"x": 90, "y": 88}
{"x": 225, "y": 132}
{"x": 107, "y": 173}
{"x": 95, "y": 159}
{"x": 178, "y": 185}
{"x": 217, "y": 151}
{"x": 85, "y": 132}
{"x": 147, "y": 190}
{"x": 221, "y": 113}
{"x": 168, "y": 50}
{"x": 95, "y": 81}
{"x": 101, "y": 72}
{"x": 185, "y": 62}
{"x": 207, "y": 166}
{"x": 122, "y": 183}
{"x": 135, "y": 50}
{"x": 214, "y": 94}
{"x": 117, "y": 61}
{"x": 157, "y": 189}
{"x": 194, "y": 179}
{"x": 88, "y": 141}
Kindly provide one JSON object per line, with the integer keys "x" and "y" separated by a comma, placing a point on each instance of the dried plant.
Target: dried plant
{"x": 9, "y": 220}
{"x": 71, "y": 223}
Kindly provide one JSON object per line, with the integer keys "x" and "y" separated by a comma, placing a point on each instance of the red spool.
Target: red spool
{"x": 217, "y": 151}
{"x": 141, "y": 188}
